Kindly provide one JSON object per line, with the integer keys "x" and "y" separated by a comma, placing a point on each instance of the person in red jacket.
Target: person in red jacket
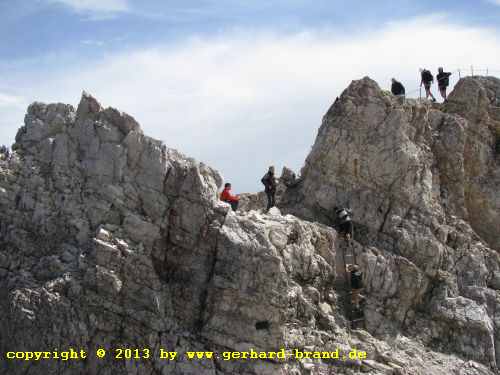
{"x": 226, "y": 196}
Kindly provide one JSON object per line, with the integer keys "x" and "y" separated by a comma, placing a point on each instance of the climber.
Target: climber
{"x": 427, "y": 79}
{"x": 344, "y": 221}
{"x": 4, "y": 153}
{"x": 356, "y": 276}
{"x": 226, "y": 196}
{"x": 443, "y": 79}
{"x": 270, "y": 187}
{"x": 397, "y": 88}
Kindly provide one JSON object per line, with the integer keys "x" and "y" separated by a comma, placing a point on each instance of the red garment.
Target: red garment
{"x": 227, "y": 197}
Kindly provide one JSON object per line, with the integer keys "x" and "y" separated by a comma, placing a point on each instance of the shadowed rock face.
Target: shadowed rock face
{"x": 110, "y": 239}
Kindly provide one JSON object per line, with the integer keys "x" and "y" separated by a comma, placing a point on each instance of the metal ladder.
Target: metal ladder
{"x": 355, "y": 317}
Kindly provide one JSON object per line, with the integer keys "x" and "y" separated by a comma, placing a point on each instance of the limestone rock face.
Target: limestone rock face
{"x": 109, "y": 239}
{"x": 424, "y": 184}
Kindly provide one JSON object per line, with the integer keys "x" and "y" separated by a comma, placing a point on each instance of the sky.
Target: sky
{"x": 237, "y": 84}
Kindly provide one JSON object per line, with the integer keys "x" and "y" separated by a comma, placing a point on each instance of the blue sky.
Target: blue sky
{"x": 31, "y": 28}
{"x": 237, "y": 84}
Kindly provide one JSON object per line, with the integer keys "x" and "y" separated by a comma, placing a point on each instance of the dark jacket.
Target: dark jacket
{"x": 269, "y": 182}
{"x": 443, "y": 79}
{"x": 397, "y": 88}
{"x": 356, "y": 279}
{"x": 427, "y": 77}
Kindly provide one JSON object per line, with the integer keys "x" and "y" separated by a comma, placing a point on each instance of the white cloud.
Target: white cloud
{"x": 95, "y": 6}
{"x": 93, "y": 43}
{"x": 7, "y": 100}
{"x": 496, "y": 2}
{"x": 242, "y": 101}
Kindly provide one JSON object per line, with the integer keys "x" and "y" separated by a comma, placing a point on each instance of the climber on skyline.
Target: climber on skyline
{"x": 427, "y": 79}
{"x": 227, "y": 197}
{"x": 344, "y": 221}
{"x": 269, "y": 182}
{"x": 443, "y": 79}
{"x": 397, "y": 88}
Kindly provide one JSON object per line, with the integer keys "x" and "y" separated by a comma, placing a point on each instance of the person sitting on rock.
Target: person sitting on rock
{"x": 269, "y": 182}
{"x": 226, "y": 196}
{"x": 397, "y": 88}
{"x": 427, "y": 79}
{"x": 443, "y": 79}
{"x": 356, "y": 278}
{"x": 344, "y": 221}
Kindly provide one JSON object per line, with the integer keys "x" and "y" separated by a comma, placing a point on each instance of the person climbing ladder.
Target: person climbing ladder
{"x": 344, "y": 221}
{"x": 356, "y": 279}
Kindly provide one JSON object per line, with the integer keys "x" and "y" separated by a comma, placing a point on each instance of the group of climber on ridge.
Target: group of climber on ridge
{"x": 269, "y": 182}
{"x": 426, "y": 80}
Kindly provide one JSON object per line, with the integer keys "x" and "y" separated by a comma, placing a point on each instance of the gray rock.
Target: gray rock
{"x": 110, "y": 239}
{"x": 422, "y": 183}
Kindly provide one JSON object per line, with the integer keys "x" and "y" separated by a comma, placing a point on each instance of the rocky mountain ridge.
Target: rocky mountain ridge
{"x": 110, "y": 239}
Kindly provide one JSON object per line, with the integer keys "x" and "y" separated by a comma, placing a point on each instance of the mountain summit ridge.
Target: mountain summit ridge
{"x": 109, "y": 239}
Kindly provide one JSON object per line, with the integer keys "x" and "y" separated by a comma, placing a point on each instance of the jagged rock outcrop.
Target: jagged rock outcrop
{"x": 424, "y": 184}
{"x": 109, "y": 239}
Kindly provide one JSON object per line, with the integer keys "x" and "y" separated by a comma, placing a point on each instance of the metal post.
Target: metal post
{"x": 459, "y": 75}
{"x": 472, "y": 70}
{"x": 486, "y": 71}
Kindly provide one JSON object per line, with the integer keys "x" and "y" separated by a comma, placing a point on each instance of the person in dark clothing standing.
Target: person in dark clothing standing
{"x": 443, "y": 79}
{"x": 427, "y": 79}
{"x": 270, "y": 187}
{"x": 397, "y": 88}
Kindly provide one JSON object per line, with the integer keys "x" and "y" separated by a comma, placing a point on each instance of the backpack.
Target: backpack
{"x": 427, "y": 76}
{"x": 265, "y": 179}
{"x": 357, "y": 279}
{"x": 444, "y": 79}
{"x": 268, "y": 181}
